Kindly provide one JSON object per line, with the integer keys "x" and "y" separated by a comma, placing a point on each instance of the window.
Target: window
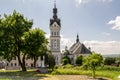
{"x": 15, "y": 64}
{"x": 55, "y": 33}
{"x": 7, "y": 64}
{"x": 55, "y": 25}
{"x": 11, "y": 64}
{"x": 52, "y": 33}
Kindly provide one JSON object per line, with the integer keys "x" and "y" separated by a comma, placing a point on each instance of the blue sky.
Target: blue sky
{"x": 96, "y": 21}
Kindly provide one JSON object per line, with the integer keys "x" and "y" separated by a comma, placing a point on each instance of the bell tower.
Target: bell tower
{"x": 55, "y": 27}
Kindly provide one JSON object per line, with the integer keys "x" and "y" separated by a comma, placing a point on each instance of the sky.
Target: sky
{"x": 97, "y": 22}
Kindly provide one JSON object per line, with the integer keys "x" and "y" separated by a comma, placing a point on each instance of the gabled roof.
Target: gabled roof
{"x": 79, "y": 48}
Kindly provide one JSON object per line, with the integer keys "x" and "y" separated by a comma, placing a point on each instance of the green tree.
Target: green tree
{"x": 66, "y": 60}
{"x": 92, "y": 61}
{"x": 79, "y": 60}
{"x": 35, "y": 44}
{"x": 13, "y": 28}
{"x": 51, "y": 61}
{"x": 118, "y": 61}
{"x": 109, "y": 60}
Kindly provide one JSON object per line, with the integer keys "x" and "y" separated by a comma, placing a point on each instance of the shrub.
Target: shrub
{"x": 66, "y": 60}
{"x": 109, "y": 61}
{"x": 79, "y": 60}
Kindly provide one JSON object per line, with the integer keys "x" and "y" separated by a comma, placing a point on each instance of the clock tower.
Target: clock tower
{"x": 55, "y": 27}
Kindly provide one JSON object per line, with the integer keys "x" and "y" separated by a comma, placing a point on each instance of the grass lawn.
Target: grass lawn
{"x": 33, "y": 75}
{"x": 60, "y": 74}
{"x": 18, "y": 75}
{"x": 100, "y": 73}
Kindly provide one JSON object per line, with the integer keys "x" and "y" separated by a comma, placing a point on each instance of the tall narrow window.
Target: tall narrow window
{"x": 52, "y": 33}
{"x": 15, "y": 64}
{"x": 11, "y": 64}
{"x": 55, "y": 33}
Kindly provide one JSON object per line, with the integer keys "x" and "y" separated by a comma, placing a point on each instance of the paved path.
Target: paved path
{"x": 69, "y": 77}
{"x": 50, "y": 77}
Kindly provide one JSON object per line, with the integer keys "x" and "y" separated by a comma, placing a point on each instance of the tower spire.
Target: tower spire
{"x": 54, "y": 3}
{"x": 55, "y": 17}
{"x": 55, "y": 10}
{"x": 77, "y": 40}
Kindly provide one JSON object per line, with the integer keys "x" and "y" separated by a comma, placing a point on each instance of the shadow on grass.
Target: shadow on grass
{"x": 19, "y": 75}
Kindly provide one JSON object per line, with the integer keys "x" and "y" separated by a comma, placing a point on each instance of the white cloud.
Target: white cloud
{"x": 115, "y": 23}
{"x": 79, "y": 2}
{"x": 104, "y": 47}
{"x": 106, "y": 0}
{"x": 65, "y": 42}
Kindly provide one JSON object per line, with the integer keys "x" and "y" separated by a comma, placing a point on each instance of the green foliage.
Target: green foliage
{"x": 109, "y": 61}
{"x": 92, "y": 61}
{"x": 106, "y": 71}
{"x": 56, "y": 67}
{"x": 35, "y": 44}
{"x": 66, "y": 60}
{"x": 109, "y": 68}
{"x": 13, "y": 27}
{"x": 67, "y": 66}
{"x": 79, "y": 60}
{"x": 51, "y": 61}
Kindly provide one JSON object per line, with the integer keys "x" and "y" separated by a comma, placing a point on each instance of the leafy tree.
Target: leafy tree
{"x": 118, "y": 61}
{"x": 35, "y": 44}
{"x": 66, "y": 60}
{"x": 109, "y": 61}
{"x": 92, "y": 61}
{"x": 13, "y": 28}
{"x": 79, "y": 60}
{"x": 51, "y": 61}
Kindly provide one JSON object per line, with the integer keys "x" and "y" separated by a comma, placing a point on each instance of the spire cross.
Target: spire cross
{"x": 77, "y": 40}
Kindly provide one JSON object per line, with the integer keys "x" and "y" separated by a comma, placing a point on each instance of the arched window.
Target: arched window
{"x": 15, "y": 64}
{"x": 7, "y": 64}
{"x": 11, "y": 64}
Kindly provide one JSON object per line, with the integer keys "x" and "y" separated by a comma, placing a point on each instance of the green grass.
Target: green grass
{"x": 19, "y": 75}
{"x": 108, "y": 72}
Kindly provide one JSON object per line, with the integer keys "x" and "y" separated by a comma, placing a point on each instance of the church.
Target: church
{"x": 55, "y": 38}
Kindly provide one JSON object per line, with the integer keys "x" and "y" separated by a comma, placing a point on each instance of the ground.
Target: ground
{"x": 33, "y": 75}
{"x": 70, "y": 77}
{"x": 51, "y": 77}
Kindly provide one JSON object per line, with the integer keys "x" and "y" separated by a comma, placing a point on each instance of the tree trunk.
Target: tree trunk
{"x": 21, "y": 64}
{"x": 93, "y": 74}
{"x": 35, "y": 60}
{"x": 23, "y": 61}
